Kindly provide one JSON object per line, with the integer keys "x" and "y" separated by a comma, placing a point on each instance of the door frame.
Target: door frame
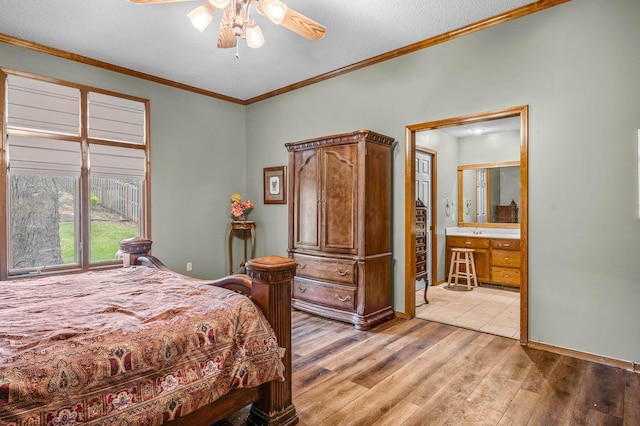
{"x": 410, "y": 209}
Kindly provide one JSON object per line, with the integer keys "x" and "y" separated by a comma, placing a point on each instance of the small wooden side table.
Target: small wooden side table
{"x": 244, "y": 229}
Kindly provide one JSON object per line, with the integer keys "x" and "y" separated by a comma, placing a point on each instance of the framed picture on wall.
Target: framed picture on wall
{"x": 275, "y": 185}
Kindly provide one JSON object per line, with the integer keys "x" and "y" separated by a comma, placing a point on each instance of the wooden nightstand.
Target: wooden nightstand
{"x": 245, "y": 230}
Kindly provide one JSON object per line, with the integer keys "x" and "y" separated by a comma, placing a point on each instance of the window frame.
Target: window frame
{"x": 83, "y": 222}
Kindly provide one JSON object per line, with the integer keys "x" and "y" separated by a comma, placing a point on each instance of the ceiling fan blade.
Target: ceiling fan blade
{"x": 156, "y": 1}
{"x": 226, "y": 38}
{"x": 302, "y": 25}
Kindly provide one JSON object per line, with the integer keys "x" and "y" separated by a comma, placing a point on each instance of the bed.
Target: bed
{"x": 143, "y": 345}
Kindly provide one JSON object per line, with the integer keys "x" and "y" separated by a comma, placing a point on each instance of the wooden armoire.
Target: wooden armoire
{"x": 340, "y": 226}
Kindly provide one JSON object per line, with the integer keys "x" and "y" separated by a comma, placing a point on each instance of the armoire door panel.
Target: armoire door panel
{"x": 307, "y": 186}
{"x": 340, "y": 198}
{"x": 377, "y": 203}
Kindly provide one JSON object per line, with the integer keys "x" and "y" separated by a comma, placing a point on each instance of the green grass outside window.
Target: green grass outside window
{"x": 105, "y": 240}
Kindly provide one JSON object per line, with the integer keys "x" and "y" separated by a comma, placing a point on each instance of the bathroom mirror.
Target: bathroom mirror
{"x": 489, "y": 194}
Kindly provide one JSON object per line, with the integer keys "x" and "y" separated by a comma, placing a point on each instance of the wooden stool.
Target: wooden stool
{"x": 460, "y": 256}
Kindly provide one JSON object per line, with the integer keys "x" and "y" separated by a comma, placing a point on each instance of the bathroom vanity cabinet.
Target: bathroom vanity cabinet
{"x": 497, "y": 260}
{"x": 505, "y": 261}
{"x": 481, "y": 256}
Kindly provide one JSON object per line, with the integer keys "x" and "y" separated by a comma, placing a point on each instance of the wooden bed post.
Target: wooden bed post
{"x": 271, "y": 279}
{"x": 132, "y": 248}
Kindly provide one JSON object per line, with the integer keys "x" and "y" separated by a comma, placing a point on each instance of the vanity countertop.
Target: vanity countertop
{"x": 483, "y": 232}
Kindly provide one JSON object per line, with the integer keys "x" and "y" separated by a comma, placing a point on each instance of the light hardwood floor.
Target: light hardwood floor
{"x": 418, "y": 372}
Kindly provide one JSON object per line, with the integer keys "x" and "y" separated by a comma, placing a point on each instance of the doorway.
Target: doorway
{"x": 455, "y": 218}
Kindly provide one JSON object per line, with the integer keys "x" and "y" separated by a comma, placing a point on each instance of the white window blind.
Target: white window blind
{"x": 116, "y": 162}
{"x": 38, "y": 156}
{"x": 116, "y": 119}
{"x": 42, "y": 106}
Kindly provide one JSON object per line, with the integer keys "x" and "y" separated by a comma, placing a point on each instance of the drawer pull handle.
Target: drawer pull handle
{"x": 506, "y": 245}
{"x": 302, "y": 265}
{"x": 507, "y": 258}
{"x": 343, "y": 299}
{"x": 468, "y": 242}
{"x": 302, "y": 289}
{"x": 342, "y": 274}
{"x": 507, "y": 276}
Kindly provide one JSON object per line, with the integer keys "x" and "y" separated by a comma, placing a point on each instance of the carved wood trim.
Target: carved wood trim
{"x": 272, "y": 276}
{"x": 340, "y": 139}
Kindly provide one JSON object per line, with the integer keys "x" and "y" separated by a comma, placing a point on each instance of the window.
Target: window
{"x": 75, "y": 173}
{"x": 43, "y": 201}
{"x": 116, "y": 182}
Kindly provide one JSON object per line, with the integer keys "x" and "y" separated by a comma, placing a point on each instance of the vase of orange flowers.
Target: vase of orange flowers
{"x": 239, "y": 208}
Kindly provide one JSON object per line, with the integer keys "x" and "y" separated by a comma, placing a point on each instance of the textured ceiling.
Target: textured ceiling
{"x": 159, "y": 39}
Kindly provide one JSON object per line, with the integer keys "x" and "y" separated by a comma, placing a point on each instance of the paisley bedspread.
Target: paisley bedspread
{"x": 129, "y": 346}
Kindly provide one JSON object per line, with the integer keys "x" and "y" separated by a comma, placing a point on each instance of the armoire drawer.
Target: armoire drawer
{"x": 326, "y": 269}
{"x": 335, "y": 296}
{"x": 509, "y": 276}
{"x": 508, "y": 258}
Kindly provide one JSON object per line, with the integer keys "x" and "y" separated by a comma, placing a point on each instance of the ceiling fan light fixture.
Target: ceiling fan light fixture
{"x": 200, "y": 17}
{"x": 275, "y": 10}
{"x": 254, "y": 36}
{"x": 220, "y": 4}
{"x": 236, "y": 22}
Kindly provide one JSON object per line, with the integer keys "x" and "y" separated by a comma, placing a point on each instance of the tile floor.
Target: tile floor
{"x": 485, "y": 308}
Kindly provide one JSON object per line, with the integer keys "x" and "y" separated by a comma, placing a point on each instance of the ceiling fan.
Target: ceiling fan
{"x": 236, "y": 21}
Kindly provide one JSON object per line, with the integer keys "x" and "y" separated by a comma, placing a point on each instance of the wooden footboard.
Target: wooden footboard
{"x": 268, "y": 283}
